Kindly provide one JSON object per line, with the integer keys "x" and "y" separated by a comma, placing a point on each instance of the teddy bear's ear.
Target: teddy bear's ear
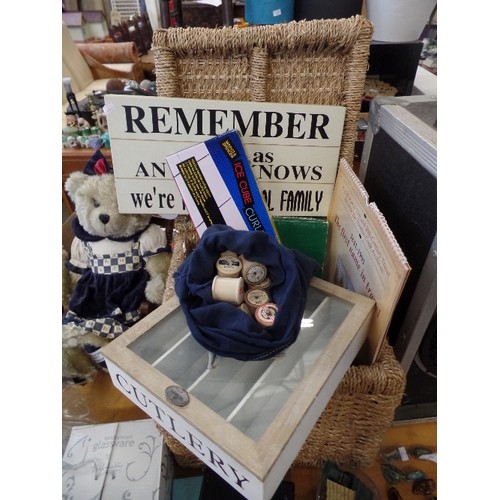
{"x": 73, "y": 183}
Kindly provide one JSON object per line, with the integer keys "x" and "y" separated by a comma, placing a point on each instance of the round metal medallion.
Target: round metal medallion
{"x": 177, "y": 395}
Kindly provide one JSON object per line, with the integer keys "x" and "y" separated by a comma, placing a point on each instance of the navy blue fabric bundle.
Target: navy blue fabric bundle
{"x": 226, "y": 330}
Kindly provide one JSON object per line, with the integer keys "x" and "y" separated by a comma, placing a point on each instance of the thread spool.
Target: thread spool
{"x": 228, "y": 265}
{"x": 245, "y": 309}
{"x": 263, "y": 285}
{"x": 255, "y": 298}
{"x": 252, "y": 272}
{"x": 230, "y": 290}
{"x": 227, "y": 253}
{"x": 266, "y": 313}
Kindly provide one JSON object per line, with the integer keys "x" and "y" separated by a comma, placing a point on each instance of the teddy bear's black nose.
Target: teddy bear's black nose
{"x": 104, "y": 218}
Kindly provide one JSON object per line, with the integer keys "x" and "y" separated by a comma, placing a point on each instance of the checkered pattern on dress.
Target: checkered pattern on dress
{"x": 117, "y": 262}
{"x": 107, "y": 327}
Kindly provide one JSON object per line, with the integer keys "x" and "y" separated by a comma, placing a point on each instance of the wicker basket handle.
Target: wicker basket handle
{"x": 259, "y": 64}
{"x": 170, "y": 85}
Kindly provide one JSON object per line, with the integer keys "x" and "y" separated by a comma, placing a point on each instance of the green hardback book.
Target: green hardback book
{"x": 309, "y": 235}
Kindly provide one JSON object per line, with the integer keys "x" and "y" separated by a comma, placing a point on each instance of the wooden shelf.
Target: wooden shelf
{"x": 74, "y": 160}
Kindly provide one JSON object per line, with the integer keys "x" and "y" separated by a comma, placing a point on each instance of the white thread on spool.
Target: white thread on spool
{"x": 230, "y": 290}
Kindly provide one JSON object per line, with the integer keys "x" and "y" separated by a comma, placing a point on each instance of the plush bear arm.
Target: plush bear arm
{"x": 153, "y": 244}
{"x": 153, "y": 240}
{"x": 157, "y": 266}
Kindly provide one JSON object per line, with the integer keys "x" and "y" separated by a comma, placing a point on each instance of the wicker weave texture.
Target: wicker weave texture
{"x": 351, "y": 428}
{"x": 305, "y": 62}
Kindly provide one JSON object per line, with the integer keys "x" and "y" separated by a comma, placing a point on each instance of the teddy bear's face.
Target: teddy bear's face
{"x": 96, "y": 206}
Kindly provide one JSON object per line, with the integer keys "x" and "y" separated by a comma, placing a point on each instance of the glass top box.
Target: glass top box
{"x": 247, "y": 420}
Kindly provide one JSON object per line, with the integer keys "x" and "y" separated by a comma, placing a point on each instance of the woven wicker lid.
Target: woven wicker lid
{"x": 305, "y": 62}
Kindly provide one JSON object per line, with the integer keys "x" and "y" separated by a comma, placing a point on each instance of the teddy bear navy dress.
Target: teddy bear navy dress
{"x": 107, "y": 297}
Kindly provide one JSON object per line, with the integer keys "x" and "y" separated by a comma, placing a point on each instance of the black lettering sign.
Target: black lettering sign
{"x": 212, "y": 121}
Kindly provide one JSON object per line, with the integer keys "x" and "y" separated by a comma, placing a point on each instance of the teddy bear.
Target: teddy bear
{"x": 117, "y": 263}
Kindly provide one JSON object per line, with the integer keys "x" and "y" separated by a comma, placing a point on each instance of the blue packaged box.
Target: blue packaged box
{"x": 217, "y": 185}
